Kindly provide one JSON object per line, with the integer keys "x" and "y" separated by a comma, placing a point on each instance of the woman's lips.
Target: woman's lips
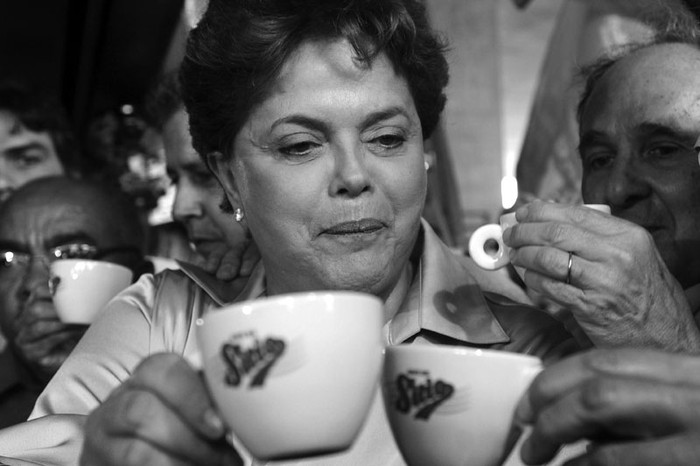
{"x": 364, "y": 226}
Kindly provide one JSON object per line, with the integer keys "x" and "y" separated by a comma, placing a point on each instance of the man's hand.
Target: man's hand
{"x": 231, "y": 263}
{"x": 42, "y": 341}
{"x": 161, "y": 416}
{"x": 637, "y": 407}
{"x": 620, "y": 291}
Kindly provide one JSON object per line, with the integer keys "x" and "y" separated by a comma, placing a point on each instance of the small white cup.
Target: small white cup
{"x": 486, "y": 245}
{"x": 81, "y": 288}
{"x": 454, "y": 406}
{"x": 294, "y": 375}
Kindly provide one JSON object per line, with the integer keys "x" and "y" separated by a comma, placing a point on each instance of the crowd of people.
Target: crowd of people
{"x": 295, "y": 139}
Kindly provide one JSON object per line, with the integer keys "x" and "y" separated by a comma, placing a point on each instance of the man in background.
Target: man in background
{"x": 633, "y": 278}
{"x": 35, "y": 137}
{"x": 46, "y": 220}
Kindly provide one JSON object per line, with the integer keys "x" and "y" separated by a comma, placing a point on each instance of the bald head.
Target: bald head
{"x": 55, "y": 209}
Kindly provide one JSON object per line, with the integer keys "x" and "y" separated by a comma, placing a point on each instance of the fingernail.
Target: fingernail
{"x": 213, "y": 423}
{"x": 506, "y": 234}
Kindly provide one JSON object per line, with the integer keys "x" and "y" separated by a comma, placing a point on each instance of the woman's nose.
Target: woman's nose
{"x": 186, "y": 202}
{"x": 351, "y": 177}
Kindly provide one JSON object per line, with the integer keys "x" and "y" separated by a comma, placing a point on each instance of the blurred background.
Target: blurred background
{"x": 507, "y": 134}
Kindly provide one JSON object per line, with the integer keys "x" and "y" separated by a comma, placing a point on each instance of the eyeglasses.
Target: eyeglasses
{"x": 16, "y": 260}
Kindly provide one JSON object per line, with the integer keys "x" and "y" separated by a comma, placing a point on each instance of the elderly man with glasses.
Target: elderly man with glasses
{"x": 47, "y": 220}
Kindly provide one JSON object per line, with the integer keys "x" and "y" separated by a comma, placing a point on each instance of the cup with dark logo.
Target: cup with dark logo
{"x": 294, "y": 375}
{"x": 454, "y": 406}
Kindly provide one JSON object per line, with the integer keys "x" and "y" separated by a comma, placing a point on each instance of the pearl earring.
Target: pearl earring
{"x": 238, "y": 214}
{"x": 427, "y": 165}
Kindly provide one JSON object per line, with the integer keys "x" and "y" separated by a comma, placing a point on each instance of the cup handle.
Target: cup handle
{"x": 488, "y": 260}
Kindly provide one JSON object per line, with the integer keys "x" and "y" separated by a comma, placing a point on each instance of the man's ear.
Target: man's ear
{"x": 220, "y": 166}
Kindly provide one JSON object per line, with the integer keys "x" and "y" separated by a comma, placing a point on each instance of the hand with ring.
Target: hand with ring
{"x": 607, "y": 272}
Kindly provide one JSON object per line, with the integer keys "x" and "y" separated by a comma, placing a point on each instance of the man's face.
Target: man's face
{"x": 41, "y": 225}
{"x": 637, "y": 135}
{"x": 24, "y": 155}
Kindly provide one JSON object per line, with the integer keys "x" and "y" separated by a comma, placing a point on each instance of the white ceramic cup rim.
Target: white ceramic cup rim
{"x": 445, "y": 350}
{"x": 268, "y": 303}
{"x": 104, "y": 264}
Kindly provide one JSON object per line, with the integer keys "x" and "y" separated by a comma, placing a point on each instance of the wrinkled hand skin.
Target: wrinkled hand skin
{"x": 163, "y": 416}
{"x": 621, "y": 292}
{"x": 637, "y": 407}
{"x": 231, "y": 263}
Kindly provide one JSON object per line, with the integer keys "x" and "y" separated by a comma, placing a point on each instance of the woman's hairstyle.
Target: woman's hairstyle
{"x": 41, "y": 113}
{"x": 670, "y": 25}
{"x": 238, "y": 48}
{"x": 163, "y": 100}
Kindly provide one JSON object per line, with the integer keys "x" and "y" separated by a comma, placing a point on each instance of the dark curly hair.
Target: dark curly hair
{"x": 238, "y": 48}
{"x": 40, "y": 112}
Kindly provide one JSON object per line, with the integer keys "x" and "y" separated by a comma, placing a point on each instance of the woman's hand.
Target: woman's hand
{"x": 231, "y": 263}
{"x": 162, "y": 415}
{"x": 638, "y": 408}
{"x": 620, "y": 290}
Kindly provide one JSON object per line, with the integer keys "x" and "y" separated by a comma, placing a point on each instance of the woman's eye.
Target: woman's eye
{"x": 203, "y": 178}
{"x": 173, "y": 177}
{"x": 389, "y": 141}
{"x": 299, "y": 149}
{"x": 28, "y": 157}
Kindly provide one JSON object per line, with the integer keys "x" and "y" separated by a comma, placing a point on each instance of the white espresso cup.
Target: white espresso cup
{"x": 454, "y": 406}
{"x": 294, "y": 375}
{"x": 81, "y": 288}
{"x": 486, "y": 245}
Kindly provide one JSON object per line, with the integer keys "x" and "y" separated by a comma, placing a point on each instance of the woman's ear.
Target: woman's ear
{"x": 220, "y": 166}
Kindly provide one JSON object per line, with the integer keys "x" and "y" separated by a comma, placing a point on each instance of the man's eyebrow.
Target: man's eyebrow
{"x": 67, "y": 238}
{"x": 591, "y": 138}
{"x": 655, "y": 129}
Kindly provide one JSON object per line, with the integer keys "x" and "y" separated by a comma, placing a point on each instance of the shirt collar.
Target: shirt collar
{"x": 692, "y": 294}
{"x": 444, "y": 297}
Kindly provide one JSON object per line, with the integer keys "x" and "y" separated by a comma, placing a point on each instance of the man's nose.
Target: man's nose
{"x": 626, "y": 184}
{"x": 35, "y": 282}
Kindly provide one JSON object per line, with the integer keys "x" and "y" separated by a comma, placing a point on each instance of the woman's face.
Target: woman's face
{"x": 329, "y": 171}
{"x": 198, "y": 193}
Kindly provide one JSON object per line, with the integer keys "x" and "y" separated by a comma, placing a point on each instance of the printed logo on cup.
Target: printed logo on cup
{"x": 248, "y": 358}
{"x": 417, "y": 394}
